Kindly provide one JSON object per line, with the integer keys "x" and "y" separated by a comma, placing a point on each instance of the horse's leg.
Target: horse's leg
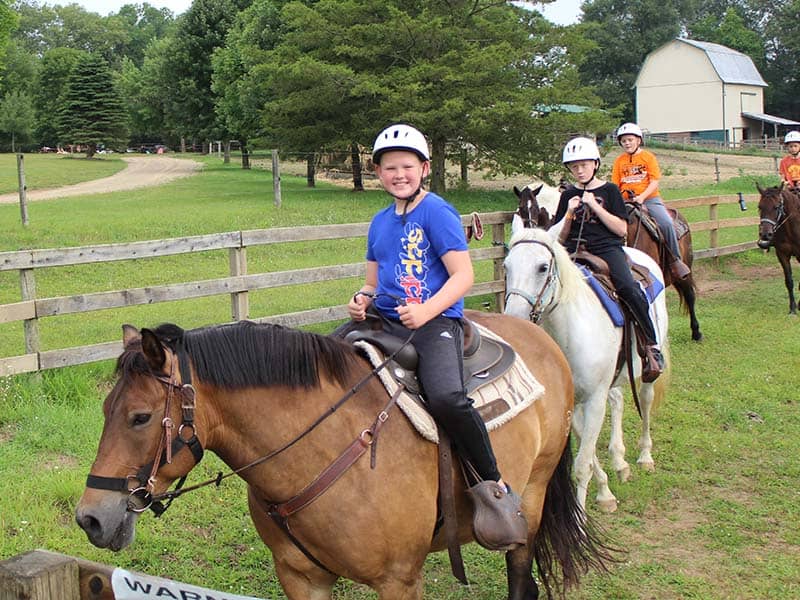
{"x": 645, "y": 460}
{"x": 616, "y": 443}
{"x": 686, "y": 291}
{"x": 591, "y": 413}
{"x": 784, "y": 259}
{"x": 519, "y": 567}
{"x": 401, "y": 590}
{"x": 581, "y": 466}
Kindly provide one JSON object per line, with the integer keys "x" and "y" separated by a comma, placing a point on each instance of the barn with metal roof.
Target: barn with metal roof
{"x": 692, "y": 90}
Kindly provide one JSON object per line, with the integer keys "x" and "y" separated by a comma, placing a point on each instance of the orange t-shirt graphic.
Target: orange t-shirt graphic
{"x": 634, "y": 172}
{"x": 790, "y": 169}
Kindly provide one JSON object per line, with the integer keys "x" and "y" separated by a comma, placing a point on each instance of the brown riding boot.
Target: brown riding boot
{"x": 652, "y": 364}
{"x": 679, "y": 269}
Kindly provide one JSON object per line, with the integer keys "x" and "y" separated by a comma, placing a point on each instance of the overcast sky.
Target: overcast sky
{"x": 562, "y": 12}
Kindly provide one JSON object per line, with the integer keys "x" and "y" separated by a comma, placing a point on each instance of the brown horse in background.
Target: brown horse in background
{"x": 643, "y": 237}
{"x": 534, "y": 213}
{"x": 779, "y": 227}
{"x": 279, "y": 406}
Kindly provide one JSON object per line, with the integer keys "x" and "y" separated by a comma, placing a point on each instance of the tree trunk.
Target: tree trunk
{"x": 13, "y": 147}
{"x": 464, "y": 167}
{"x": 355, "y": 157}
{"x": 183, "y": 145}
{"x": 245, "y": 155}
{"x": 227, "y": 154}
{"x": 311, "y": 169}
{"x": 90, "y": 150}
{"x": 438, "y": 184}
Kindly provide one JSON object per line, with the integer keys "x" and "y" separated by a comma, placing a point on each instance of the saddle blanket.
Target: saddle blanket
{"x": 651, "y": 291}
{"x": 497, "y": 401}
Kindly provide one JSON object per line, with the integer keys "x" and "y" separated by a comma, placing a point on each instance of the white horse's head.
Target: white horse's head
{"x": 539, "y": 273}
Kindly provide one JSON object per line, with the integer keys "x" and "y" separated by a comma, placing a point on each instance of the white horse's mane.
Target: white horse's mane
{"x": 570, "y": 276}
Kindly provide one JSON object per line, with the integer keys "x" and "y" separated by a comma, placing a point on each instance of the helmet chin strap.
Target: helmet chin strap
{"x": 408, "y": 200}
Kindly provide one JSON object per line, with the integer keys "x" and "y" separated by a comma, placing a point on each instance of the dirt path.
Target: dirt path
{"x": 142, "y": 171}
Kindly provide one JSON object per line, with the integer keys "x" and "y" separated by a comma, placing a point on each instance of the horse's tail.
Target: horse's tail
{"x": 567, "y": 535}
{"x": 662, "y": 383}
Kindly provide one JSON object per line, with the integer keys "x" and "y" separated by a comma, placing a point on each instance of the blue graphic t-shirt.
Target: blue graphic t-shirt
{"x": 409, "y": 261}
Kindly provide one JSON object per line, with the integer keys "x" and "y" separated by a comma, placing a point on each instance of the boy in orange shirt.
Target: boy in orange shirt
{"x": 790, "y": 165}
{"x": 636, "y": 173}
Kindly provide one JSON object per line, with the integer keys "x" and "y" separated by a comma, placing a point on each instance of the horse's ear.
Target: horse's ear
{"x": 544, "y": 218}
{"x": 517, "y": 192}
{"x": 516, "y": 224}
{"x": 153, "y": 350}
{"x": 129, "y": 334}
{"x": 759, "y": 188}
{"x": 537, "y": 190}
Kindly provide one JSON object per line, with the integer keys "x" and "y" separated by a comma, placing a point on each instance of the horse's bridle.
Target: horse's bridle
{"x": 140, "y": 494}
{"x": 780, "y": 217}
{"x": 537, "y": 302}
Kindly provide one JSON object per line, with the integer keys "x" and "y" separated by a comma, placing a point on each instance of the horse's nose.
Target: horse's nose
{"x": 89, "y": 523}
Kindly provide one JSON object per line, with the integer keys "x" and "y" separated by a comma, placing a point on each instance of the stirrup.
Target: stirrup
{"x": 498, "y": 522}
{"x": 679, "y": 269}
{"x": 652, "y": 364}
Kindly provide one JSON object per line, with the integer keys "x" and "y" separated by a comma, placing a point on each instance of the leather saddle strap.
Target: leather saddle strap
{"x": 627, "y": 342}
{"x": 447, "y": 506}
{"x": 338, "y": 467}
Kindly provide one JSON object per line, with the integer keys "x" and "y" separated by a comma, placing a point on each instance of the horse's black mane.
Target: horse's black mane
{"x": 247, "y": 354}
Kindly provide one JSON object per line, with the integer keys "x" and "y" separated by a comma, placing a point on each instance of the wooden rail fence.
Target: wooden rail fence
{"x": 238, "y": 283}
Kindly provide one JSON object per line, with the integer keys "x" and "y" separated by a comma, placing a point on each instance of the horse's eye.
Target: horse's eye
{"x": 543, "y": 269}
{"x": 140, "y": 419}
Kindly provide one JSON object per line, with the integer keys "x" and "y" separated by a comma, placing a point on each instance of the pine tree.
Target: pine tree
{"x": 92, "y": 112}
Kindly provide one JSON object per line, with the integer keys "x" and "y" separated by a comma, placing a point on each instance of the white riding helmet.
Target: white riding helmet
{"x": 400, "y": 137}
{"x": 580, "y": 148}
{"x": 629, "y": 129}
{"x": 792, "y": 136}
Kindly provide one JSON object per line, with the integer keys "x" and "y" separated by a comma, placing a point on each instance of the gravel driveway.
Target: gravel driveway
{"x": 142, "y": 171}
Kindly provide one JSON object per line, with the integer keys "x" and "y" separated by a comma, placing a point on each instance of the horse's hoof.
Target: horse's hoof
{"x": 697, "y": 337}
{"x": 648, "y": 466}
{"x": 607, "y": 506}
{"x": 624, "y": 474}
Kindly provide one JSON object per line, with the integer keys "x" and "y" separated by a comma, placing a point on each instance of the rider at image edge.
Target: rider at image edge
{"x": 418, "y": 271}
{"x": 593, "y": 215}
{"x": 636, "y": 173}
{"x": 790, "y": 164}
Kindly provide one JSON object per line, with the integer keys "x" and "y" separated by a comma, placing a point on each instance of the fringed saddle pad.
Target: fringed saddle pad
{"x": 498, "y": 401}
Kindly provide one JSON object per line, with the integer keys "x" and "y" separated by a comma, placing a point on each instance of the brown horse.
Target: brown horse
{"x": 278, "y": 406}
{"x": 779, "y": 211}
{"x": 536, "y": 214}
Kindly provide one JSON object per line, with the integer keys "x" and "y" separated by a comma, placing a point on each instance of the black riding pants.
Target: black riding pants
{"x": 628, "y": 290}
{"x": 439, "y": 344}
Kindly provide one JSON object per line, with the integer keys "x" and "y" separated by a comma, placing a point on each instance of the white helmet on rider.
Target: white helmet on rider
{"x": 400, "y": 137}
{"x": 792, "y": 136}
{"x": 580, "y": 148}
{"x": 630, "y": 129}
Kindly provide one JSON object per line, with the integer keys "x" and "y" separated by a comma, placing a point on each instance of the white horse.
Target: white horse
{"x": 543, "y": 284}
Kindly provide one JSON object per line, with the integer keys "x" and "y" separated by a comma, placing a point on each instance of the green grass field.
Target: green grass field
{"x": 54, "y": 170}
{"x": 716, "y": 520}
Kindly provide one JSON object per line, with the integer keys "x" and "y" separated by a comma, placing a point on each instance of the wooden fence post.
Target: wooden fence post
{"x": 39, "y": 575}
{"x": 23, "y": 196}
{"x": 240, "y": 301}
{"x": 276, "y": 178}
{"x": 713, "y": 235}
{"x": 499, "y": 239}
{"x": 27, "y": 282}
